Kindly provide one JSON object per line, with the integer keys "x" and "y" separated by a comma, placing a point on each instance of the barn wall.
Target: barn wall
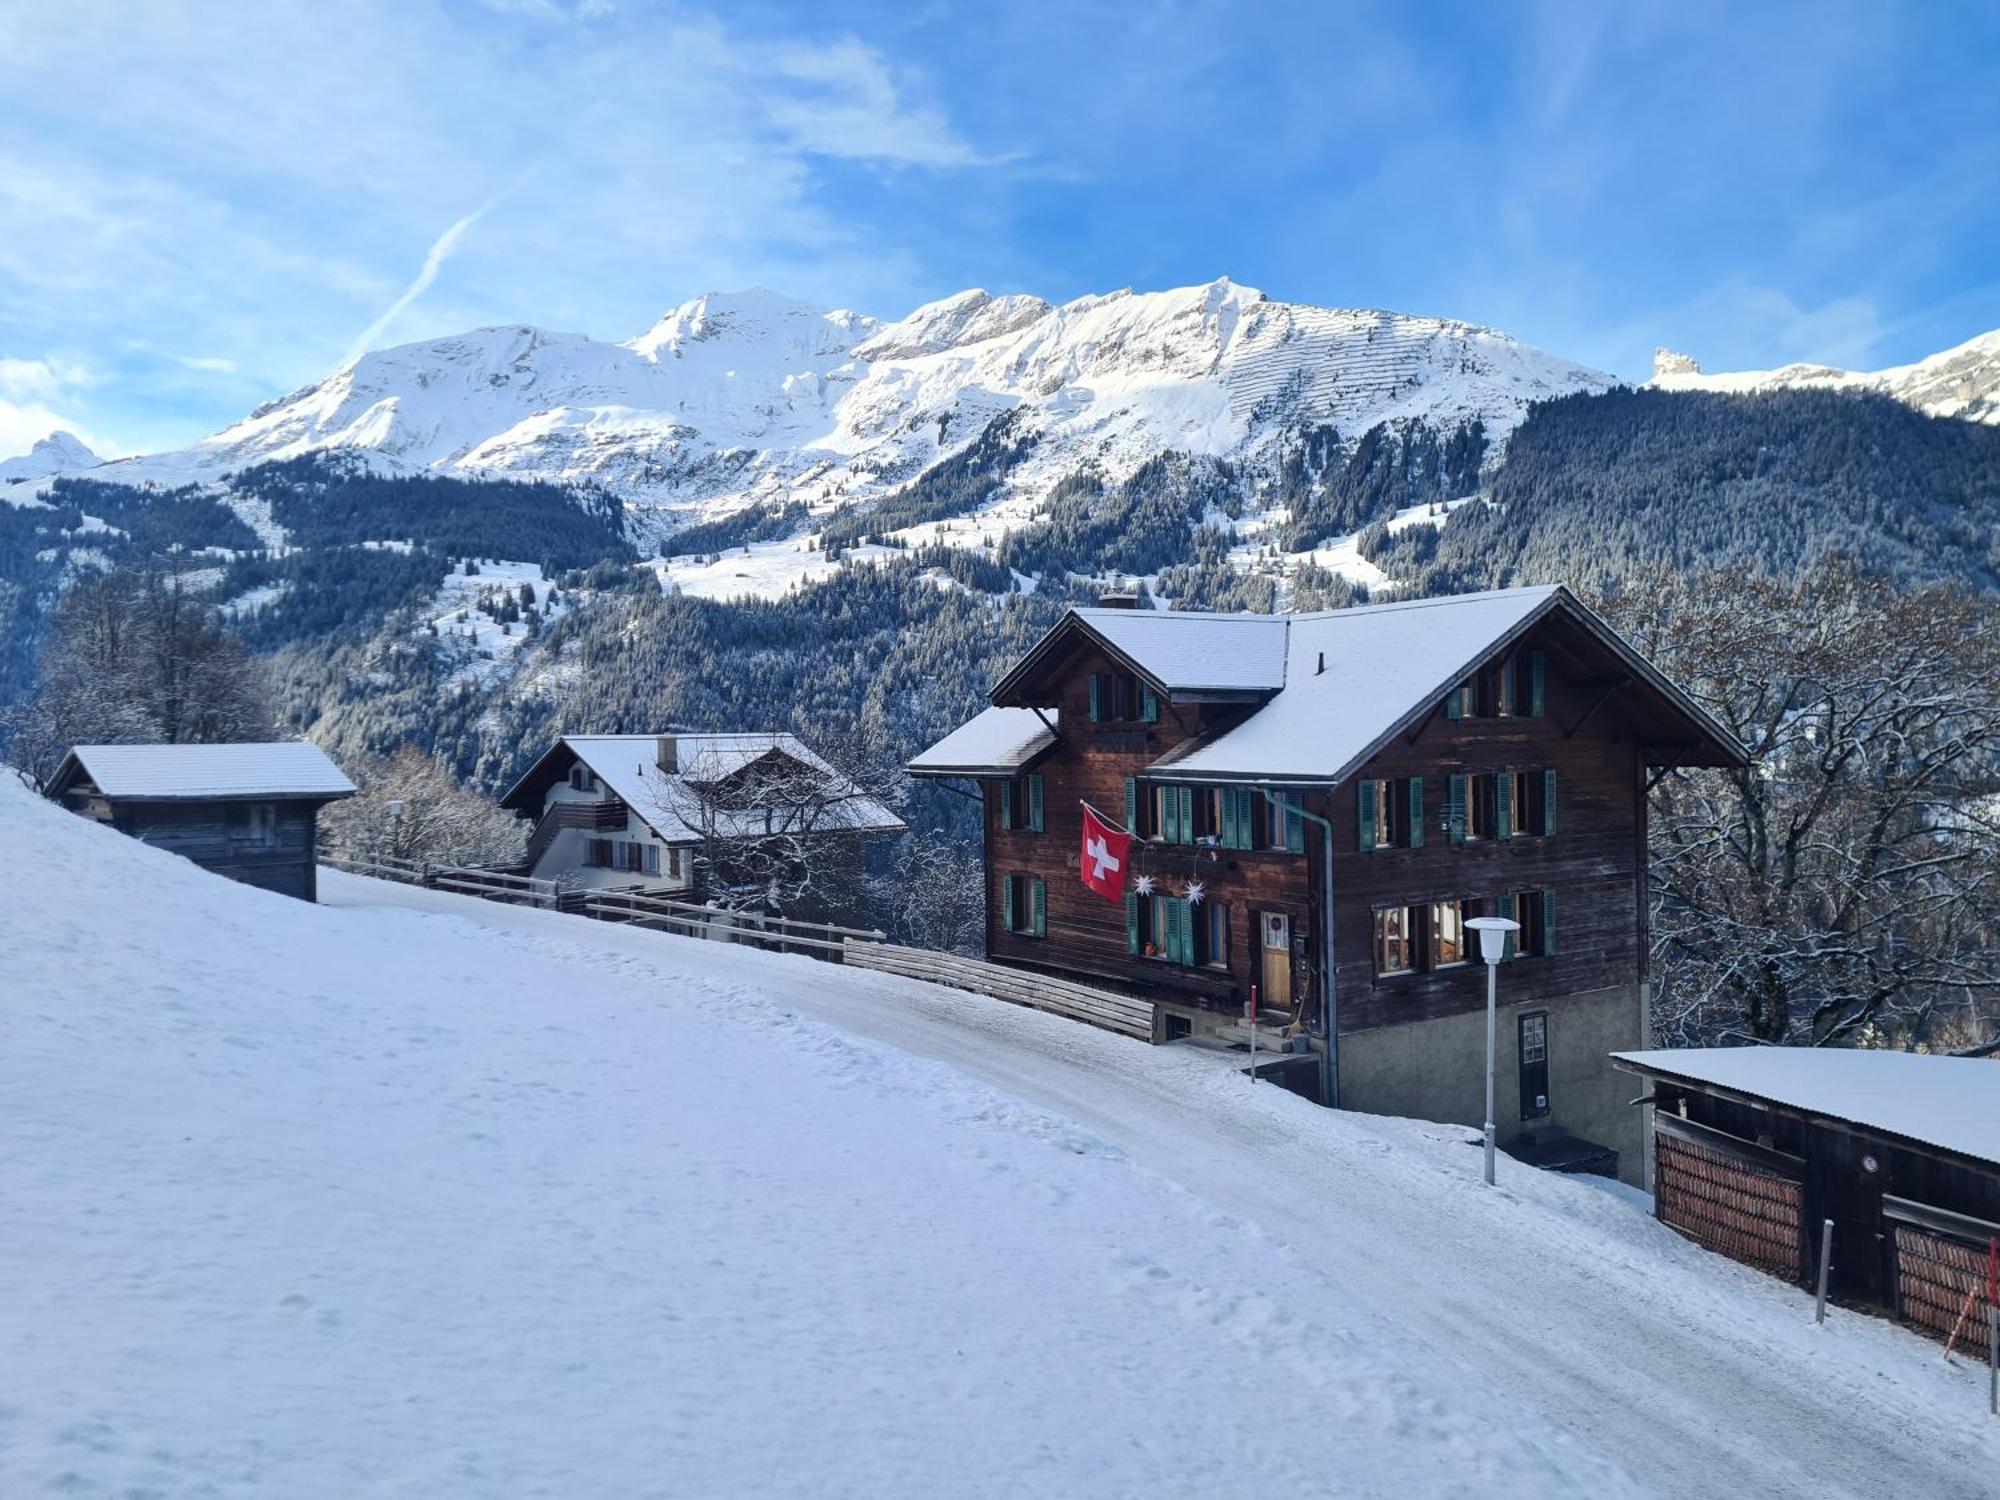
{"x": 216, "y": 836}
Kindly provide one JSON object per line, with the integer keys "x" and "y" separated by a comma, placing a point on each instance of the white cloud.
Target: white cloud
{"x": 208, "y": 364}
{"x": 40, "y": 378}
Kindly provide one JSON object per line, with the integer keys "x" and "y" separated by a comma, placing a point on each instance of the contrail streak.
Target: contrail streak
{"x": 441, "y": 251}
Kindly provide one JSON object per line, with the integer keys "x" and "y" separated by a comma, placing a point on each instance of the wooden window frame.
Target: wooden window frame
{"x": 1434, "y": 962}
{"x": 1410, "y": 939}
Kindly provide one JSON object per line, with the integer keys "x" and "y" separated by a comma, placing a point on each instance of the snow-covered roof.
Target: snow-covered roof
{"x": 628, "y": 766}
{"x": 1189, "y": 651}
{"x": 1382, "y": 662}
{"x": 285, "y": 768}
{"x": 1949, "y": 1102}
{"x": 993, "y": 743}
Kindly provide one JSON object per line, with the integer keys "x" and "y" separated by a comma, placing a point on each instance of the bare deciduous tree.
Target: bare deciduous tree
{"x": 437, "y": 821}
{"x": 133, "y": 659}
{"x": 936, "y": 897}
{"x": 1842, "y": 888}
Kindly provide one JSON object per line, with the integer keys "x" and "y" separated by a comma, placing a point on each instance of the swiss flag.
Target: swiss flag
{"x": 1104, "y": 852}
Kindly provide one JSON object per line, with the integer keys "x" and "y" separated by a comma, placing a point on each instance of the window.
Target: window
{"x": 1121, "y": 698}
{"x": 601, "y": 854}
{"x": 1286, "y": 832}
{"x": 1389, "y": 813}
{"x": 1395, "y": 940}
{"x": 1021, "y": 804}
{"x": 1213, "y": 932}
{"x": 1512, "y": 687}
{"x": 1448, "y": 935}
{"x": 257, "y": 824}
{"x": 1536, "y": 912}
{"x": 1024, "y": 905}
{"x": 1174, "y": 813}
{"x": 1177, "y": 931}
{"x": 1482, "y": 807}
{"x": 652, "y": 859}
{"x": 582, "y": 778}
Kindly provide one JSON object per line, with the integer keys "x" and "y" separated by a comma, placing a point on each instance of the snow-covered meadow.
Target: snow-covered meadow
{"x": 406, "y": 1194}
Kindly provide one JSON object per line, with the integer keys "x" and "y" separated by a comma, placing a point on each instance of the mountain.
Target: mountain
{"x": 58, "y": 453}
{"x": 732, "y": 400}
{"x": 1960, "y": 382}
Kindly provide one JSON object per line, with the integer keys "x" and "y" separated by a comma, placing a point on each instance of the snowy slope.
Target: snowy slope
{"x": 415, "y": 1195}
{"x": 1960, "y": 382}
{"x": 756, "y": 395}
{"x": 373, "y": 1200}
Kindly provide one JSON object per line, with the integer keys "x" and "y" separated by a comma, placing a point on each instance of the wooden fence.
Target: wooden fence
{"x": 467, "y": 880}
{"x": 1100, "y": 1008}
{"x": 689, "y": 919}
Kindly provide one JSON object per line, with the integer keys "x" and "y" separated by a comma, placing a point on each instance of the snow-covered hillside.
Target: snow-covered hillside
{"x": 414, "y": 1195}
{"x": 731, "y": 398}
{"x": 1960, "y": 382}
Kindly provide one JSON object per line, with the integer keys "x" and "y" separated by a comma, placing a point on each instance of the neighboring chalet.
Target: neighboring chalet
{"x": 631, "y": 812}
{"x": 1434, "y": 760}
{"x": 1756, "y": 1147}
{"x": 250, "y": 812}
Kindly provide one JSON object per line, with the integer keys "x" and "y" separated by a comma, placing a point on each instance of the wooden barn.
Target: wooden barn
{"x": 249, "y": 812}
{"x": 1319, "y": 803}
{"x": 1756, "y": 1147}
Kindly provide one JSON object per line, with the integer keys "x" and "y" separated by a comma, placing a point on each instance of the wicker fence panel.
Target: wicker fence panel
{"x": 1736, "y": 1208}
{"x": 1941, "y": 1284}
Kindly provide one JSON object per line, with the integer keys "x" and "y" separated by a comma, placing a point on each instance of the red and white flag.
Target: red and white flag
{"x": 1105, "y": 848}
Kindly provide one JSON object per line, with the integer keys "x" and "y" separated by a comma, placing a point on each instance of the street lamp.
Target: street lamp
{"x": 1493, "y": 934}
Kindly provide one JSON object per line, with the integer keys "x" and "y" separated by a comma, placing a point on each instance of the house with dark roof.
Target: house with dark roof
{"x": 250, "y": 812}
{"x": 631, "y": 812}
{"x": 1319, "y": 803}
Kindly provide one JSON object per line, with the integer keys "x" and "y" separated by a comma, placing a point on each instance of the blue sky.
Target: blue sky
{"x": 204, "y": 205}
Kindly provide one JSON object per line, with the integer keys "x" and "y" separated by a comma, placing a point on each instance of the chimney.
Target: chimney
{"x": 1118, "y": 601}
{"x": 667, "y": 755}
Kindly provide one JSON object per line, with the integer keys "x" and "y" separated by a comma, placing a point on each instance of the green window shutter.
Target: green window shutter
{"x": 1183, "y": 927}
{"x": 1537, "y": 670}
{"x": 1454, "y": 703}
{"x": 1007, "y": 903}
{"x": 1149, "y": 705}
{"x": 1548, "y": 922}
{"x": 1131, "y": 921}
{"x": 1507, "y": 911}
{"x": 1503, "y": 805}
{"x": 1184, "y": 815}
{"x": 1040, "y": 893}
{"x": 1096, "y": 698}
{"x": 1006, "y": 804}
{"x": 1227, "y": 833}
{"x": 1246, "y": 818}
{"x": 1456, "y": 808}
{"x": 1365, "y": 813}
{"x": 1295, "y": 827}
{"x": 1548, "y": 802}
{"x": 1035, "y": 813}
{"x": 1132, "y": 804}
{"x": 1416, "y": 786}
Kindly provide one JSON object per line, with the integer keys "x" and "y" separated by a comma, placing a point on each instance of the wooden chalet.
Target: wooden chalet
{"x": 1321, "y": 802}
{"x": 250, "y": 812}
{"x": 1755, "y": 1148}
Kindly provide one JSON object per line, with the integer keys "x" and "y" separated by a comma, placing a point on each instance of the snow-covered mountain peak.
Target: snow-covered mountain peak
{"x": 757, "y": 319}
{"x": 968, "y": 317}
{"x": 1959, "y": 382}
{"x": 58, "y": 453}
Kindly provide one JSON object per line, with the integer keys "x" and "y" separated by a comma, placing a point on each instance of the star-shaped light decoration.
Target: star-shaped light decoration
{"x": 1196, "y": 893}
{"x": 1143, "y": 885}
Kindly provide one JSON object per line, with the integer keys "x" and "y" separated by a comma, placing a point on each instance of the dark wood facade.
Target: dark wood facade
{"x": 1592, "y": 861}
{"x": 266, "y": 842}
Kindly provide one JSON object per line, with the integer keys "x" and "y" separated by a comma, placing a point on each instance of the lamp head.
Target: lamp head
{"x": 1493, "y": 933}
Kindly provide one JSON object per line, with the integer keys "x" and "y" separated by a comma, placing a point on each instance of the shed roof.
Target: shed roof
{"x": 278, "y": 770}
{"x": 997, "y": 742}
{"x": 1949, "y": 1102}
{"x": 628, "y": 766}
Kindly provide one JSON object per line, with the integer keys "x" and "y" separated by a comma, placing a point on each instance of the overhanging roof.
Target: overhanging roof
{"x": 996, "y": 742}
{"x": 278, "y": 771}
{"x": 1176, "y": 652}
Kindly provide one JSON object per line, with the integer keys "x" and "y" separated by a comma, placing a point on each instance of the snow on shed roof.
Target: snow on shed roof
{"x": 285, "y": 768}
{"x": 1382, "y": 662}
{"x": 1189, "y": 651}
{"x": 1949, "y": 1102}
{"x": 995, "y": 742}
{"x": 628, "y": 765}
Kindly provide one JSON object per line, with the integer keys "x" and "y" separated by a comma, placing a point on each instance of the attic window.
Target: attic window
{"x": 582, "y": 778}
{"x": 1121, "y": 698}
{"x": 1510, "y": 688}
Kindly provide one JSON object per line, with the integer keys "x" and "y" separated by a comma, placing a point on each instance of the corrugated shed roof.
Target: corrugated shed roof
{"x": 1949, "y": 1102}
{"x": 628, "y": 766}
{"x": 285, "y": 768}
{"x": 995, "y": 742}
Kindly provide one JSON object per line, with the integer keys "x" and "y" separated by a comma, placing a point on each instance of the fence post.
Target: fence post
{"x": 1992, "y": 1360}
{"x": 1825, "y": 1260}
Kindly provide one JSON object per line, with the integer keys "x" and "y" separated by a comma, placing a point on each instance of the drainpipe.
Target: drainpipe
{"x": 1329, "y": 1063}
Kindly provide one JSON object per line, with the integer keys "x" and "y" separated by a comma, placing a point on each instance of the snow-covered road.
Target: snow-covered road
{"x": 1698, "y": 1376}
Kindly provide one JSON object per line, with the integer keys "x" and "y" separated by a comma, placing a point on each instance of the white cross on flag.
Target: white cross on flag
{"x": 1104, "y": 851}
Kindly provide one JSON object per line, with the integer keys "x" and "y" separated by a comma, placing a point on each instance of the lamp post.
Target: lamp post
{"x": 1493, "y": 934}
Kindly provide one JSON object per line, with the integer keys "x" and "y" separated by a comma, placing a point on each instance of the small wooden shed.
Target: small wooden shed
{"x": 1755, "y": 1148}
{"x": 249, "y": 812}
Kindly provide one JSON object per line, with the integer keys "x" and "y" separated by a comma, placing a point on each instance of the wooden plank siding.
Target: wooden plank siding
{"x": 216, "y": 835}
{"x": 1594, "y": 861}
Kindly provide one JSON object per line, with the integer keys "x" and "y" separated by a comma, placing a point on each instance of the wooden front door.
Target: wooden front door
{"x": 1275, "y": 929}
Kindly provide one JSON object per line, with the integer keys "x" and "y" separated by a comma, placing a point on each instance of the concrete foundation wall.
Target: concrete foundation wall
{"x": 1436, "y": 1070}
